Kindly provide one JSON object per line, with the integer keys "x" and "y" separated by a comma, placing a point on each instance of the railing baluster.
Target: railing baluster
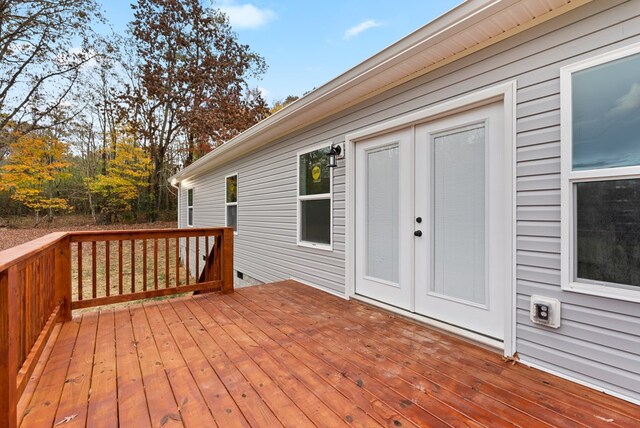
{"x": 94, "y": 273}
{"x": 155, "y": 263}
{"x": 187, "y": 253}
{"x": 177, "y": 262}
{"x": 197, "y": 258}
{"x": 80, "y": 271}
{"x": 206, "y": 257}
{"x": 133, "y": 266}
{"x": 167, "y": 255}
{"x": 144, "y": 265}
{"x": 107, "y": 264}
{"x": 120, "y": 269}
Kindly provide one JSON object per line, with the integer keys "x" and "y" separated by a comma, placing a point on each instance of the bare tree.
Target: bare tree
{"x": 44, "y": 45}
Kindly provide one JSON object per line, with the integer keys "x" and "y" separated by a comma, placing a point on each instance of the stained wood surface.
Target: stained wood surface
{"x": 289, "y": 355}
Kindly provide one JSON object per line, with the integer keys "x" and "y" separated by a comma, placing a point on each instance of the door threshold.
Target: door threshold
{"x": 489, "y": 343}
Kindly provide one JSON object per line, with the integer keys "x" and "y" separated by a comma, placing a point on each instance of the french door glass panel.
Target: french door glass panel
{"x": 459, "y": 214}
{"x": 382, "y": 213}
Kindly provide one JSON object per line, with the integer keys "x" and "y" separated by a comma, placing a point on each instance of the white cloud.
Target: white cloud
{"x": 246, "y": 15}
{"x": 357, "y": 29}
{"x": 627, "y": 102}
{"x": 264, "y": 92}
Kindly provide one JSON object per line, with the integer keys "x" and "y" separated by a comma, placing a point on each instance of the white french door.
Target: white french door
{"x": 384, "y": 258}
{"x": 430, "y": 219}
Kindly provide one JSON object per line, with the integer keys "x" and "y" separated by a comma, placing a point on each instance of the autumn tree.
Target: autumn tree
{"x": 33, "y": 173}
{"x": 280, "y": 104}
{"x": 126, "y": 175}
{"x": 44, "y": 45}
{"x": 189, "y": 82}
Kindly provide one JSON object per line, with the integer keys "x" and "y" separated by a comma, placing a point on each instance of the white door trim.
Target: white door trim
{"x": 505, "y": 92}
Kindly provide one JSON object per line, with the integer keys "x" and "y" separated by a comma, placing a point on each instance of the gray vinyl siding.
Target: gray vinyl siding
{"x": 599, "y": 341}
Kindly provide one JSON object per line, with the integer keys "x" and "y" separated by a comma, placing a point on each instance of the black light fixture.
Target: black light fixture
{"x": 333, "y": 156}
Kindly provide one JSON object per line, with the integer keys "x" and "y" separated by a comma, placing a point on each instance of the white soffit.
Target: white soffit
{"x": 468, "y": 28}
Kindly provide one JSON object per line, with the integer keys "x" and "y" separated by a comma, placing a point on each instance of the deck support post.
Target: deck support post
{"x": 9, "y": 343}
{"x": 63, "y": 278}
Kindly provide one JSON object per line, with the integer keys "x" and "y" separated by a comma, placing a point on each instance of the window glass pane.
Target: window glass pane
{"x": 190, "y": 216}
{"x": 459, "y": 214}
{"x": 383, "y": 200}
{"x": 232, "y": 189}
{"x": 232, "y": 216}
{"x": 315, "y": 221}
{"x": 314, "y": 173}
{"x": 606, "y": 115}
{"x": 608, "y": 231}
{"x": 190, "y": 197}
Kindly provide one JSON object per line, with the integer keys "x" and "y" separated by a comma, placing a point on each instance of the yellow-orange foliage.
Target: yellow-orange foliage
{"x": 127, "y": 173}
{"x": 35, "y": 166}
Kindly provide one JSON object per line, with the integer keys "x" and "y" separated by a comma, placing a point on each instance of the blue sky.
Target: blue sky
{"x": 305, "y": 43}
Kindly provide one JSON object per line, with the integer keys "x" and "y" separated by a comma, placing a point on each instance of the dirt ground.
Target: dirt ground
{"x": 16, "y": 234}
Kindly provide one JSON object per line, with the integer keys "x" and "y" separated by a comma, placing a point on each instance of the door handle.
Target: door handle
{"x": 417, "y": 233}
{"x": 418, "y": 219}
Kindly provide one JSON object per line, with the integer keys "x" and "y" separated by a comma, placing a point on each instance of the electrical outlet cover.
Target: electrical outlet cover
{"x": 553, "y": 311}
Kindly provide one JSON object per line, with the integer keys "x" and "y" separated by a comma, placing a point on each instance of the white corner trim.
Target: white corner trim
{"x": 505, "y": 92}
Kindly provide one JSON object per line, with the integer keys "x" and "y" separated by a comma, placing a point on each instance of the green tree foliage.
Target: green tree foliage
{"x": 33, "y": 173}
{"x": 127, "y": 174}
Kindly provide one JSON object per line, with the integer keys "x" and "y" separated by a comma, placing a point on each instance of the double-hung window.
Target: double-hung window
{"x": 314, "y": 198}
{"x": 231, "y": 201}
{"x": 190, "y": 207}
{"x": 601, "y": 175}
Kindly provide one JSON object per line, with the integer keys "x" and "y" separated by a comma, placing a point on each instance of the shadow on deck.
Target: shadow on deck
{"x": 286, "y": 354}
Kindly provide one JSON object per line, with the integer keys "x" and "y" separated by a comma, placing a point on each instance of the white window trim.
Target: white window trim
{"x": 300, "y": 198}
{"x": 569, "y": 178}
{"x": 191, "y": 206}
{"x": 228, "y": 204}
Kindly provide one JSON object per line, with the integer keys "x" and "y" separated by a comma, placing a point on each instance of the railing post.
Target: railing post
{"x": 63, "y": 278}
{"x": 9, "y": 331}
{"x": 227, "y": 260}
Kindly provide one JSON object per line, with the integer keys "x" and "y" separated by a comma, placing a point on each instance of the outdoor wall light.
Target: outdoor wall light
{"x": 333, "y": 156}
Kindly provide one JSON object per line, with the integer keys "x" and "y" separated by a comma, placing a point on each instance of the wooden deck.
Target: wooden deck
{"x": 288, "y": 355}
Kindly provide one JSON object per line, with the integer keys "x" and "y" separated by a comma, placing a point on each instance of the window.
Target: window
{"x": 601, "y": 175}
{"x": 231, "y": 201}
{"x": 314, "y": 199}
{"x": 190, "y": 207}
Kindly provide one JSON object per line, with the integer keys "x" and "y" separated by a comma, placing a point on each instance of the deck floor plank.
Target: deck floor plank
{"x": 380, "y": 411}
{"x": 160, "y": 399}
{"x": 424, "y": 374}
{"x": 203, "y": 329}
{"x": 303, "y": 386}
{"x": 75, "y": 393}
{"x": 41, "y": 411}
{"x": 442, "y": 403}
{"x": 193, "y": 410}
{"x": 104, "y": 396}
{"x": 566, "y": 401}
{"x": 285, "y": 354}
{"x": 361, "y": 378}
{"x": 132, "y": 401}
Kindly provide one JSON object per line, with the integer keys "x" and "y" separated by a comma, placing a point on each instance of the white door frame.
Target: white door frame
{"x": 505, "y": 93}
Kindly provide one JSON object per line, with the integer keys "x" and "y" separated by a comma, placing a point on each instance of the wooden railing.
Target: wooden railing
{"x": 43, "y": 280}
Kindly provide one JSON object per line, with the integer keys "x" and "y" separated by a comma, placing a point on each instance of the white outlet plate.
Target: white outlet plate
{"x": 554, "y": 311}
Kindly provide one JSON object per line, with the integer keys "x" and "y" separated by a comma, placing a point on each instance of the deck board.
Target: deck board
{"x": 289, "y": 355}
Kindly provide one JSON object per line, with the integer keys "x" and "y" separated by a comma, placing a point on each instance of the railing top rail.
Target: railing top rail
{"x": 15, "y": 255}
{"x": 115, "y": 235}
